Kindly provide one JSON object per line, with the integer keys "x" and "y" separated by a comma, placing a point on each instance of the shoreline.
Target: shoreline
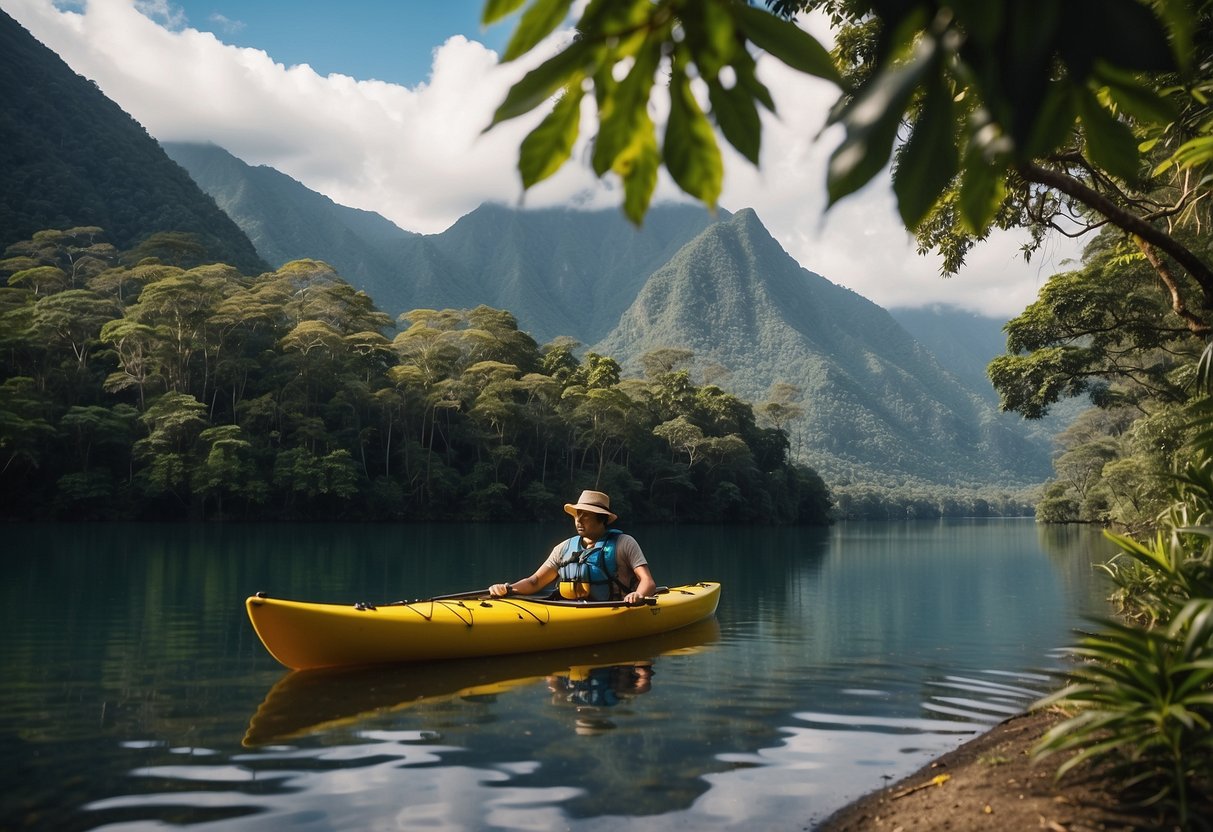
{"x": 990, "y": 782}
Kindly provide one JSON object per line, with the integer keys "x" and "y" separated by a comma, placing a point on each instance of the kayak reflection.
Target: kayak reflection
{"x": 589, "y": 678}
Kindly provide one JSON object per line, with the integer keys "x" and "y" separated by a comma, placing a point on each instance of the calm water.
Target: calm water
{"x": 136, "y": 695}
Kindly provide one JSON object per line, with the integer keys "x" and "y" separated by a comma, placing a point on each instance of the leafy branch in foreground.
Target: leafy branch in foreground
{"x": 1042, "y": 115}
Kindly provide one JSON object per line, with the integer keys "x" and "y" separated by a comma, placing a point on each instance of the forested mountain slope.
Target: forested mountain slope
{"x": 560, "y": 271}
{"x": 878, "y": 406}
{"x": 962, "y": 342}
{"x": 563, "y": 271}
{"x": 965, "y": 343}
{"x": 288, "y": 221}
{"x": 71, "y": 157}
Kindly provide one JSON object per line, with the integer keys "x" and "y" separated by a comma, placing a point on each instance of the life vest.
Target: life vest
{"x": 590, "y": 573}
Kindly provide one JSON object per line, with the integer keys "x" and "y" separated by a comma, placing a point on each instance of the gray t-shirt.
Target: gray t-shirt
{"x": 627, "y": 557}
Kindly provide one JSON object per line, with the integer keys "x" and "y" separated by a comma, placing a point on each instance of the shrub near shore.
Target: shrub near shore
{"x": 1142, "y": 700}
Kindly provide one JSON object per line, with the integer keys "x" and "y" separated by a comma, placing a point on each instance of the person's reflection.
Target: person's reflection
{"x": 591, "y": 689}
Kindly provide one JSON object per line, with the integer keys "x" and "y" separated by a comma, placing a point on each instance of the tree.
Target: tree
{"x": 72, "y": 319}
{"x": 78, "y": 253}
{"x": 1037, "y": 113}
{"x": 174, "y": 422}
{"x": 1103, "y": 329}
{"x": 23, "y": 425}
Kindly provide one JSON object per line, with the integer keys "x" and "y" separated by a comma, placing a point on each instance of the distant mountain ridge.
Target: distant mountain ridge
{"x": 561, "y": 271}
{"x": 69, "y": 156}
{"x": 878, "y": 404}
{"x": 287, "y": 221}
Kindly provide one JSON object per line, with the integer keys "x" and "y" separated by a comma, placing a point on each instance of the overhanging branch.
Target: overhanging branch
{"x": 1127, "y": 221}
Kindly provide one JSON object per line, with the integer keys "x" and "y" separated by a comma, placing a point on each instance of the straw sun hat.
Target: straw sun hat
{"x": 594, "y": 501}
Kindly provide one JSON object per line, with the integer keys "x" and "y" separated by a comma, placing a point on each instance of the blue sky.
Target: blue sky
{"x": 382, "y": 106}
{"x": 381, "y": 39}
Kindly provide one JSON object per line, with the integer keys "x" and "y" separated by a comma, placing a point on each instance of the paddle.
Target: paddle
{"x": 483, "y": 594}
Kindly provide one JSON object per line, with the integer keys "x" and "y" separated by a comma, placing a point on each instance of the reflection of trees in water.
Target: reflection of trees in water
{"x": 1075, "y": 553}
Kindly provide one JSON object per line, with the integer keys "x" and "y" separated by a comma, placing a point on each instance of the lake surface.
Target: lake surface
{"x": 136, "y": 695}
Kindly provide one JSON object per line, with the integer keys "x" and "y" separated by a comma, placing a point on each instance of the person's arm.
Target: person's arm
{"x": 543, "y": 576}
{"x": 645, "y": 587}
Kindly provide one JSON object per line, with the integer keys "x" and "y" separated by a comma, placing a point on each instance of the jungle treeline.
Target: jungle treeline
{"x": 154, "y": 384}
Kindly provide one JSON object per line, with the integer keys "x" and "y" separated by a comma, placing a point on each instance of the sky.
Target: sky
{"x": 381, "y": 105}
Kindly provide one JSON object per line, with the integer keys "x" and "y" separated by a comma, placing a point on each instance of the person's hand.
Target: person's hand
{"x": 633, "y": 598}
{"x": 499, "y": 590}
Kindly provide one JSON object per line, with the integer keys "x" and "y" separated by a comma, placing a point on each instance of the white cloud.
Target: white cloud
{"x": 417, "y": 155}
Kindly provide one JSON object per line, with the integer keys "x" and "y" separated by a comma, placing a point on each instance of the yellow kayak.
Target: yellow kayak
{"x": 305, "y": 635}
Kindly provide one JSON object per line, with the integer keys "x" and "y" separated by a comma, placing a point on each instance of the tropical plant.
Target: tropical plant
{"x": 1143, "y": 697}
{"x": 1145, "y": 700}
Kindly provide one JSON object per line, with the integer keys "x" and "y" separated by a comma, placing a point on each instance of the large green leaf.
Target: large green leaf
{"x": 929, "y": 161}
{"x": 982, "y": 188}
{"x": 747, "y": 78}
{"x": 1054, "y": 122}
{"x": 787, "y": 42}
{"x": 983, "y": 19}
{"x": 690, "y": 151}
{"x": 1110, "y": 143}
{"x": 622, "y": 111}
{"x": 542, "y": 82}
{"x": 871, "y": 120}
{"x": 1136, "y": 98}
{"x": 710, "y": 36}
{"x": 737, "y": 116}
{"x": 1125, "y": 33}
{"x": 549, "y": 145}
{"x": 494, "y": 10}
{"x": 638, "y": 166}
{"x": 537, "y": 22}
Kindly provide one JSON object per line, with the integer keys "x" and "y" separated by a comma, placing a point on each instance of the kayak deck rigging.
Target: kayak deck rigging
{"x": 308, "y": 635}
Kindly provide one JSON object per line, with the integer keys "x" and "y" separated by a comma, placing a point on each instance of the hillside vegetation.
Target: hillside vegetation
{"x": 71, "y": 157}
{"x": 148, "y": 389}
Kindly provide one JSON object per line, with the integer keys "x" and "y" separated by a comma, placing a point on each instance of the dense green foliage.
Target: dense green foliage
{"x": 1008, "y": 113}
{"x": 71, "y": 157}
{"x": 135, "y": 386}
{"x": 1143, "y": 696}
{"x": 1107, "y": 333}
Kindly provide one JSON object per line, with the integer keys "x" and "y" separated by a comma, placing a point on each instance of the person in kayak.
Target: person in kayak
{"x": 598, "y": 563}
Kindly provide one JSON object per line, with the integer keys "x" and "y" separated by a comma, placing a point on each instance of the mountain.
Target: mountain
{"x": 71, "y": 157}
{"x": 879, "y": 406}
{"x": 286, "y": 220}
{"x": 963, "y": 342}
{"x": 560, "y": 271}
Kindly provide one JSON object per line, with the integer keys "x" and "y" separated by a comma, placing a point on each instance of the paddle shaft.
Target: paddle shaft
{"x": 483, "y": 594}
